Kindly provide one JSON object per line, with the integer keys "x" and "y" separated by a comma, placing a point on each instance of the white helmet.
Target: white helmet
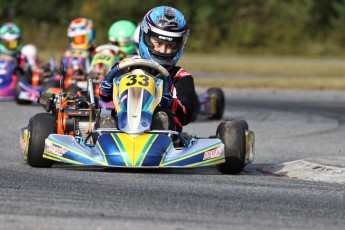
{"x": 30, "y": 52}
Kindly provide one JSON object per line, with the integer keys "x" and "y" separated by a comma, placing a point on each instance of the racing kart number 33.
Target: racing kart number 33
{"x": 139, "y": 81}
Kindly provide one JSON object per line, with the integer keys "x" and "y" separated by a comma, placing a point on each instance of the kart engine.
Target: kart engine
{"x": 75, "y": 121}
{"x": 83, "y": 126}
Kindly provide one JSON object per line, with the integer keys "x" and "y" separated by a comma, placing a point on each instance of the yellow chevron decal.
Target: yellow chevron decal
{"x": 142, "y": 146}
{"x": 125, "y": 144}
{"x": 134, "y": 149}
{"x": 100, "y": 148}
{"x": 165, "y": 153}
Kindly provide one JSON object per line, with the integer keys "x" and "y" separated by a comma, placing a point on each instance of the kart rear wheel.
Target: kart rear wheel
{"x": 220, "y": 100}
{"x": 232, "y": 134}
{"x": 40, "y": 126}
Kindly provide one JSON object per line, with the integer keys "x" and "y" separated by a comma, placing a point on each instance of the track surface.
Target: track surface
{"x": 289, "y": 125}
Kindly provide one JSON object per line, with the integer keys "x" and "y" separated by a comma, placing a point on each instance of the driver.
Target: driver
{"x": 81, "y": 34}
{"x": 121, "y": 34}
{"x": 163, "y": 35}
{"x": 11, "y": 44}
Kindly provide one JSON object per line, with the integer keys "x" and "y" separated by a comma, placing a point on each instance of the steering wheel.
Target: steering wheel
{"x": 138, "y": 62}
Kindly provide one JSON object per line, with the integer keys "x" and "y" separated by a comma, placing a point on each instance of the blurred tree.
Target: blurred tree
{"x": 270, "y": 26}
{"x": 322, "y": 15}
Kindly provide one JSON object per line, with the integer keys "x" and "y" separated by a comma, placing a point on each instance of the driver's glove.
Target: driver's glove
{"x": 106, "y": 90}
{"x": 106, "y": 84}
{"x": 167, "y": 95}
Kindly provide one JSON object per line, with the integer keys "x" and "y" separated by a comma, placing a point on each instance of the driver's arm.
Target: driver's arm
{"x": 106, "y": 85}
{"x": 186, "y": 102}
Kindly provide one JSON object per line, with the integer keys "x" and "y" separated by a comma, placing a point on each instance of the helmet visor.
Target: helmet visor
{"x": 11, "y": 45}
{"x": 171, "y": 47}
{"x": 167, "y": 46}
{"x": 79, "y": 39}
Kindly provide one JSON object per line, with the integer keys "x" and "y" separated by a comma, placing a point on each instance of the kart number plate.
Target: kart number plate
{"x": 137, "y": 80}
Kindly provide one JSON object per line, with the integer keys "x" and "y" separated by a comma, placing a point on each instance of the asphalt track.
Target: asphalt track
{"x": 295, "y": 182}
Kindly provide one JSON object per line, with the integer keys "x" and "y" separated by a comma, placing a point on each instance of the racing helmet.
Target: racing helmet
{"x": 30, "y": 52}
{"x": 121, "y": 34}
{"x": 102, "y": 61}
{"x": 10, "y": 36}
{"x": 167, "y": 24}
{"x": 81, "y": 33}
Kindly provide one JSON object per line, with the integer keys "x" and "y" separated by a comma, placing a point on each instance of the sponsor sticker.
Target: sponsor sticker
{"x": 213, "y": 153}
{"x": 55, "y": 150}
{"x": 165, "y": 38}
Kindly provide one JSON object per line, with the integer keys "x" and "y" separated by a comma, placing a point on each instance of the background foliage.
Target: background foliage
{"x": 302, "y": 27}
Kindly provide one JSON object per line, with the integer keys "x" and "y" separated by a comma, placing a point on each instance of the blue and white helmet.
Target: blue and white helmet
{"x": 165, "y": 23}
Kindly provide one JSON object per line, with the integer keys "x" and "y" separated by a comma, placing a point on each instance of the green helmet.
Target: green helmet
{"x": 10, "y": 38}
{"x": 121, "y": 34}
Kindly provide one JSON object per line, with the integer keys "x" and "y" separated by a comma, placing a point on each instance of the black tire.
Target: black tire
{"x": 165, "y": 122}
{"x": 220, "y": 103}
{"x": 232, "y": 134}
{"x": 244, "y": 124}
{"x": 40, "y": 126}
{"x": 17, "y": 92}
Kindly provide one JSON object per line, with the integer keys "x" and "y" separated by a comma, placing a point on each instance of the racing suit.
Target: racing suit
{"x": 22, "y": 68}
{"x": 183, "y": 101}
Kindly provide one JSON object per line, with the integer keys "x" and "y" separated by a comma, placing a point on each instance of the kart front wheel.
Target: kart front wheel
{"x": 40, "y": 126}
{"x": 233, "y": 135}
{"x": 219, "y": 102}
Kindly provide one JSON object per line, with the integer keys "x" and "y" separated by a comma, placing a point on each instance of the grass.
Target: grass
{"x": 317, "y": 83}
{"x": 268, "y": 72}
{"x": 260, "y": 71}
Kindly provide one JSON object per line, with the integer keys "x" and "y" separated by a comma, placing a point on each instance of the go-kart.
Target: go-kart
{"x": 211, "y": 104}
{"x": 76, "y": 67}
{"x": 67, "y": 134}
{"x": 76, "y": 64}
{"x": 8, "y": 76}
{"x": 27, "y": 88}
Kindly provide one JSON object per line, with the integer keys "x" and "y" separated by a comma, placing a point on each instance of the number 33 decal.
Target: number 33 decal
{"x": 143, "y": 80}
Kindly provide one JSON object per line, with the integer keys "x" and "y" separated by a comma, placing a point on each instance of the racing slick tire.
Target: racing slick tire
{"x": 233, "y": 135}
{"x": 220, "y": 100}
{"x": 17, "y": 92}
{"x": 40, "y": 126}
